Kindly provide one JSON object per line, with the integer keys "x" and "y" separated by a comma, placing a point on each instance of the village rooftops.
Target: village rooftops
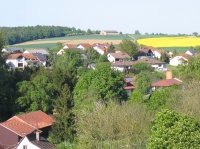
{"x": 122, "y": 63}
{"x": 167, "y": 82}
{"x": 42, "y": 51}
{"x": 120, "y": 55}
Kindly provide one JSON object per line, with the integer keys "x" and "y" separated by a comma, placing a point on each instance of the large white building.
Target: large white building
{"x": 109, "y": 32}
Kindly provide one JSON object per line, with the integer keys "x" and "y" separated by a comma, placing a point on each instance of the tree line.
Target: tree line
{"x": 14, "y": 35}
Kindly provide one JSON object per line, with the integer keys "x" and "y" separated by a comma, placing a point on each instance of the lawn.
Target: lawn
{"x": 34, "y": 46}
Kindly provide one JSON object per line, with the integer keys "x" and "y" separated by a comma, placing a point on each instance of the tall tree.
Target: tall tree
{"x": 63, "y": 128}
{"x": 92, "y": 55}
{"x": 111, "y": 49}
{"x": 129, "y": 47}
{"x": 143, "y": 83}
{"x": 171, "y": 130}
{"x": 164, "y": 57}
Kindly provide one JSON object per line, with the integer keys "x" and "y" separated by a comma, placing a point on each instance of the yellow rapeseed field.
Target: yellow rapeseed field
{"x": 183, "y": 41}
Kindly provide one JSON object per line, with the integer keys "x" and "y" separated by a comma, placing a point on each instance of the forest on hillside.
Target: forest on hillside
{"x": 14, "y": 35}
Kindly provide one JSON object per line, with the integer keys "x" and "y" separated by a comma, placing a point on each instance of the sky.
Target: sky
{"x": 126, "y": 16}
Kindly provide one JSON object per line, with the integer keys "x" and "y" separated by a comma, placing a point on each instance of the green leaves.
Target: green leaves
{"x": 171, "y": 130}
{"x": 143, "y": 83}
{"x": 129, "y": 47}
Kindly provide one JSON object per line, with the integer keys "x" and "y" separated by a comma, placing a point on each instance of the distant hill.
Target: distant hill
{"x": 14, "y": 35}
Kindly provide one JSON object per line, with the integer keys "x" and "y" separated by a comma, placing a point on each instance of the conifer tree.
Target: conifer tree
{"x": 63, "y": 129}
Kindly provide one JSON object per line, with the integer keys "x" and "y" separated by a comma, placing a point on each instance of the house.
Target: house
{"x": 112, "y": 57}
{"x": 109, "y": 32}
{"x": 83, "y": 46}
{"x": 34, "y": 141}
{"x": 21, "y": 60}
{"x": 41, "y": 59}
{"x": 121, "y": 65}
{"x": 158, "y": 52}
{"x": 42, "y": 51}
{"x": 17, "y": 127}
{"x": 129, "y": 84}
{"x": 156, "y": 64}
{"x": 69, "y": 46}
{"x": 71, "y": 49}
{"x": 190, "y": 52}
{"x": 12, "y": 50}
{"x": 101, "y": 48}
{"x": 179, "y": 59}
{"x": 144, "y": 52}
{"x": 169, "y": 81}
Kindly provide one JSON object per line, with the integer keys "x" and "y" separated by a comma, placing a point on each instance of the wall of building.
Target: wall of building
{"x": 25, "y": 142}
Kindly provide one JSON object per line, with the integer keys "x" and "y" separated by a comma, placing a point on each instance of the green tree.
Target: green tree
{"x": 111, "y": 49}
{"x": 137, "y": 32}
{"x": 105, "y": 81}
{"x": 89, "y": 31}
{"x": 136, "y": 97}
{"x": 143, "y": 83}
{"x": 171, "y": 130}
{"x": 175, "y": 53}
{"x": 92, "y": 55}
{"x": 129, "y": 47}
{"x": 164, "y": 57}
{"x": 195, "y": 33}
{"x": 63, "y": 128}
{"x": 37, "y": 94}
{"x": 142, "y": 67}
{"x": 103, "y": 58}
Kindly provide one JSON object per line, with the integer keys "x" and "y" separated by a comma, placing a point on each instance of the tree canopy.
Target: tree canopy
{"x": 129, "y": 47}
{"x": 172, "y": 130}
{"x": 143, "y": 83}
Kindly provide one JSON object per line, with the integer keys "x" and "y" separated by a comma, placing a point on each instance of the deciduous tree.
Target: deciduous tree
{"x": 143, "y": 83}
{"x": 129, "y": 47}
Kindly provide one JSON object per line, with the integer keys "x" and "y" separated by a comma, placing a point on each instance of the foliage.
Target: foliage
{"x": 63, "y": 130}
{"x": 136, "y": 97}
{"x": 111, "y": 49}
{"x": 142, "y": 67}
{"x": 92, "y": 55}
{"x": 164, "y": 58}
{"x": 113, "y": 126}
{"x": 171, "y": 130}
{"x": 105, "y": 81}
{"x": 15, "y": 35}
{"x": 143, "y": 83}
{"x": 103, "y": 58}
{"x": 37, "y": 94}
{"x": 137, "y": 32}
{"x": 70, "y": 59}
{"x": 191, "y": 70}
{"x": 174, "y": 53}
{"x": 129, "y": 47}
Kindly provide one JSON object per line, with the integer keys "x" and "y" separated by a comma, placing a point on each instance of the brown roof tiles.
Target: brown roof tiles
{"x": 120, "y": 55}
{"x": 167, "y": 82}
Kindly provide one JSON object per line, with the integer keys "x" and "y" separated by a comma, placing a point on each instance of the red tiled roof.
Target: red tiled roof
{"x": 186, "y": 56}
{"x": 37, "y": 119}
{"x": 149, "y": 61}
{"x": 167, "y": 82}
{"x": 26, "y": 55}
{"x": 29, "y": 56}
{"x": 18, "y": 126}
{"x": 14, "y": 56}
{"x": 85, "y": 45}
{"x": 70, "y": 46}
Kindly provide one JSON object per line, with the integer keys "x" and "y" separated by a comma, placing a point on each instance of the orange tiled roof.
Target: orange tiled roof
{"x": 29, "y": 56}
{"x": 186, "y": 56}
{"x": 70, "y": 46}
{"x": 167, "y": 82}
{"x": 18, "y": 126}
{"x": 85, "y": 45}
{"x": 14, "y": 56}
{"x": 37, "y": 119}
{"x": 26, "y": 123}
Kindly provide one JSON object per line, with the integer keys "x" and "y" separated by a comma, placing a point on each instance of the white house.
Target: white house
{"x": 42, "y": 51}
{"x": 156, "y": 64}
{"x": 121, "y": 65}
{"x": 34, "y": 141}
{"x": 179, "y": 59}
{"x": 101, "y": 48}
{"x": 157, "y": 53}
{"x": 112, "y": 57}
{"x": 109, "y": 32}
{"x": 83, "y": 46}
{"x": 190, "y": 52}
{"x": 12, "y": 50}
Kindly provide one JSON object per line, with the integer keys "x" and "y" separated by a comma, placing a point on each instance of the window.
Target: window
{"x": 20, "y": 64}
{"x": 24, "y": 146}
{"x": 159, "y": 65}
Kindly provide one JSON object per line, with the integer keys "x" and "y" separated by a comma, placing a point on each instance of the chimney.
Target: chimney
{"x": 168, "y": 74}
{"x": 37, "y": 133}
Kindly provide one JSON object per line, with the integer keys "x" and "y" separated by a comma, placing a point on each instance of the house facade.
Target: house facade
{"x": 101, "y": 48}
{"x": 190, "y": 52}
{"x": 129, "y": 85}
{"x": 121, "y": 65}
{"x": 144, "y": 52}
{"x": 112, "y": 57}
{"x": 157, "y": 53}
{"x": 83, "y": 46}
{"x": 179, "y": 59}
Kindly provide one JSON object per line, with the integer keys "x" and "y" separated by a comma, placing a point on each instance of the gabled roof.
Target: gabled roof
{"x": 149, "y": 61}
{"x": 110, "y": 31}
{"x": 85, "y": 45}
{"x": 167, "y": 82}
{"x": 14, "y": 56}
{"x": 186, "y": 56}
{"x": 162, "y": 51}
{"x": 25, "y": 55}
{"x": 26, "y": 123}
{"x": 40, "y": 56}
{"x": 18, "y": 126}
{"x": 70, "y": 46}
{"x": 122, "y": 63}
{"x": 120, "y": 55}
{"x": 42, "y": 51}
{"x": 191, "y": 51}
{"x": 29, "y": 56}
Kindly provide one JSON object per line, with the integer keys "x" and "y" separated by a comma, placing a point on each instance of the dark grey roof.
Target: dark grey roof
{"x": 40, "y": 56}
{"x": 13, "y": 49}
{"x": 193, "y": 52}
{"x": 43, "y": 51}
{"x": 42, "y": 143}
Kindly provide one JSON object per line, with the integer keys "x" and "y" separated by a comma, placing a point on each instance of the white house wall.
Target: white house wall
{"x": 119, "y": 68}
{"x": 13, "y": 63}
{"x": 60, "y": 52}
{"x": 176, "y": 60}
{"x": 157, "y": 54}
{"x": 189, "y": 53}
{"x": 80, "y": 47}
{"x": 110, "y": 58}
{"x": 26, "y": 142}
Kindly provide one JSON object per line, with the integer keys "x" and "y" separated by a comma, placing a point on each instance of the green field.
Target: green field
{"x": 34, "y": 46}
